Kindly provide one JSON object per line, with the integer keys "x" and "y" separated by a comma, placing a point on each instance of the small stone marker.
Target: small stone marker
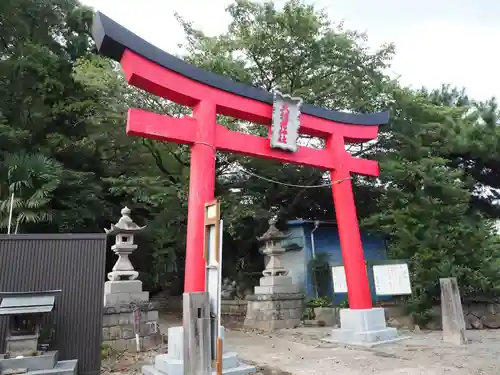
{"x": 451, "y": 312}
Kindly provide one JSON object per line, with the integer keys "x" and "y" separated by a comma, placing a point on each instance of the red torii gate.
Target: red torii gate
{"x": 162, "y": 74}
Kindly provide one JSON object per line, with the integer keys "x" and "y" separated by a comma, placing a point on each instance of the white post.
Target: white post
{"x": 10, "y": 212}
{"x": 219, "y": 292}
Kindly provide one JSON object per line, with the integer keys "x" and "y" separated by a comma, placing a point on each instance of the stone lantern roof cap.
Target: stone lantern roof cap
{"x": 124, "y": 225}
{"x": 273, "y": 233}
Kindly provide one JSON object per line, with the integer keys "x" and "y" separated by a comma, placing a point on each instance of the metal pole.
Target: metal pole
{"x": 10, "y": 212}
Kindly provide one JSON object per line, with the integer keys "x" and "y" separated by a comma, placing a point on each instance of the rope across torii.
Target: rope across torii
{"x": 162, "y": 74}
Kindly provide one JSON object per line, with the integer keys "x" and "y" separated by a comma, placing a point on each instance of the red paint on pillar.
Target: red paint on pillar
{"x": 359, "y": 295}
{"x": 201, "y": 190}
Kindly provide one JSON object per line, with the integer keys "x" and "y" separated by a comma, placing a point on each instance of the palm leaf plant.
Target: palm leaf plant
{"x": 27, "y": 187}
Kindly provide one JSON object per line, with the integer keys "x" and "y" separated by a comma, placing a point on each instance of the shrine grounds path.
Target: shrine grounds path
{"x": 301, "y": 352}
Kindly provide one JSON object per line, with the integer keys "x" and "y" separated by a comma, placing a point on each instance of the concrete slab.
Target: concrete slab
{"x": 69, "y": 367}
{"x": 242, "y": 369}
{"x": 173, "y": 362}
{"x": 363, "y": 327}
{"x": 44, "y": 361}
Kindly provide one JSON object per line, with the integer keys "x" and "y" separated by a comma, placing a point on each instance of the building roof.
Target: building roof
{"x": 27, "y": 302}
{"x": 330, "y": 223}
{"x": 304, "y": 221}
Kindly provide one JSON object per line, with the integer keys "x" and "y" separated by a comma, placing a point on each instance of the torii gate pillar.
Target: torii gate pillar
{"x": 162, "y": 74}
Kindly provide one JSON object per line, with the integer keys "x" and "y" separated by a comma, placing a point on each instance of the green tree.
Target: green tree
{"x": 152, "y": 176}
{"x": 299, "y": 50}
{"x": 29, "y": 187}
{"x": 473, "y": 145}
{"x": 43, "y": 109}
{"x": 251, "y": 50}
{"x": 64, "y": 152}
{"x": 425, "y": 203}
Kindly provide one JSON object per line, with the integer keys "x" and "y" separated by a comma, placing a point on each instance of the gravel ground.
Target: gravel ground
{"x": 131, "y": 364}
{"x": 301, "y": 352}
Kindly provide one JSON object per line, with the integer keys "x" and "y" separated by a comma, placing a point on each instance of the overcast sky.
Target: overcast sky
{"x": 437, "y": 41}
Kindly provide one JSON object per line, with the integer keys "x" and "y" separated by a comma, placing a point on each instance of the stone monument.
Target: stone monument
{"x": 276, "y": 302}
{"x": 452, "y": 314}
{"x": 130, "y": 320}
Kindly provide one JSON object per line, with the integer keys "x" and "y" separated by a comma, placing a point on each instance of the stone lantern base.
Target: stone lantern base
{"x": 276, "y": 304}
{"x": 269, "y": 312}
{"x": 121, "y": 299}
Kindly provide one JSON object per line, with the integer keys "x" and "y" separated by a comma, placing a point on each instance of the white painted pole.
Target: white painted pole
{"x": 10, "y": 212}
{"x": 137, "y": 343}
{"x": 219, "y": 291}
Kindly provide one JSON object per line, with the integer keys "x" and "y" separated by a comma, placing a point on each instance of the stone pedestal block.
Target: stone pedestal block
{"x": 364, "y": 327}
{"x": 125, "y": 298}
{"x": 270, "y": 312}
{"x": 124, "y": 292}
{"x": 43, "y": 364}
{"x": 276, "y": 281}
{"x": 276, "y": 289}
{"x": 21, "y": 345}
{"x": 123, "y": 286}
{"x": 173, "y": 362}
{"x": 118, "y": 330}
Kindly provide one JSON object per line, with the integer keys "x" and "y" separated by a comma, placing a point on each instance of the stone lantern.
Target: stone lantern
{"x": 124, "y": 231}
{"x": 273, "y": 249}
{"x": 130, "y": 321}
{"x": 276, "y": 302}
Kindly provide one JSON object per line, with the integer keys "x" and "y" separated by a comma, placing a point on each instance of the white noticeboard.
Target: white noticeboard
{"x": 339, "y": 279}
{"x": 392, "y": 279}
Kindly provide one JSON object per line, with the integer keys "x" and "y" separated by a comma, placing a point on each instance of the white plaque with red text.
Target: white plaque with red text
{"x": 285, "y": 122}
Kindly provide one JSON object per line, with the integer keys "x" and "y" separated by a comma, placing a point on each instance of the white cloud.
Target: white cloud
{"x": 444, "y": 41}
{"x": 437, "y": 52}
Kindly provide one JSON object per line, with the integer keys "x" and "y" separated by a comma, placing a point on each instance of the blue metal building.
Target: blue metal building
{"x": 308, "y": 238}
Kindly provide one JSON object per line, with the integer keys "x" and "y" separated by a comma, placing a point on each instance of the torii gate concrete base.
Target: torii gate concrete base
{"x": 173, "y": 362}
{"x": 364, "y": 327}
